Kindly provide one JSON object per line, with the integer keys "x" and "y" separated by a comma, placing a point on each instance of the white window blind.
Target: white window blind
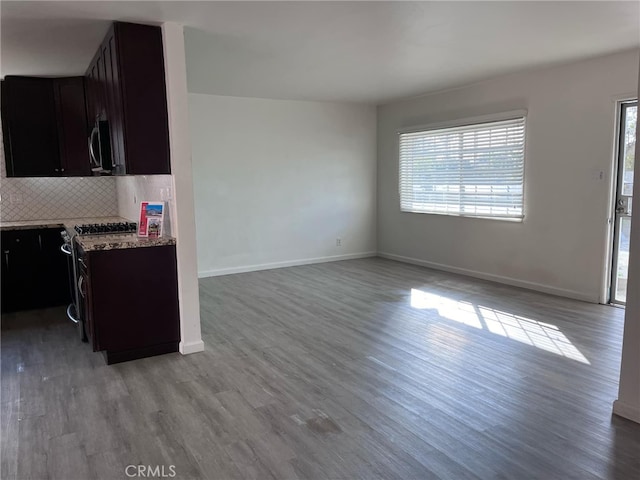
{"x": 471, "y": 170}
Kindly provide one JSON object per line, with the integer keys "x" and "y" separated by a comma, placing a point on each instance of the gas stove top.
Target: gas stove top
{"x": 105, "y": 228}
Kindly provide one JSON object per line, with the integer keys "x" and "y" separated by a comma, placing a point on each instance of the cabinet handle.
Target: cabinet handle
{"x": 56, "y": 170}
{"x": 6, "y": 258}
{"x": 40, "y": 241}
{"x": 62, "y": 169}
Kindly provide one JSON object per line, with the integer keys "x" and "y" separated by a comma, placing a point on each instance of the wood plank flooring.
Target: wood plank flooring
{"x": 363, "y": 369}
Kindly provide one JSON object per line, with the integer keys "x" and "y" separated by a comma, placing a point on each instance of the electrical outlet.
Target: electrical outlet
{"x": 15, "y": 198}
{"x": 165, "y": 194}
{"x": 338, "y": 242}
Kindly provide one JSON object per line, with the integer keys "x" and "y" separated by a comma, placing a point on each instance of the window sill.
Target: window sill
{"x": 461, "y": 215}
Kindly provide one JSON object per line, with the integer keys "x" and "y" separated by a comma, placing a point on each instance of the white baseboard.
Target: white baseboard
{"x": 191, "y": 347}
{"x": 288, "y": 263}
{"x": 494, "y": 278}
{"x": 630, "y": 412}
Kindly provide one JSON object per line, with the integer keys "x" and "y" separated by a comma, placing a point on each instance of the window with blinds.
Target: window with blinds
{"x": 471, "y": 170}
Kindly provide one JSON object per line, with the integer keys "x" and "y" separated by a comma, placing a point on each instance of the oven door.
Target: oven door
{"x": 84, "y": 301}
{"x": 73, "y": 312}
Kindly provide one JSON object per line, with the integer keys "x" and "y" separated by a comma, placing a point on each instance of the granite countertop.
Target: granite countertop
{"x": 92, "y": 242}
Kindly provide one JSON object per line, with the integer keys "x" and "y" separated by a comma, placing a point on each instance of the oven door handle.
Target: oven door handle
{"x": 80, "y": 284}
{"x": 70, "y": 315}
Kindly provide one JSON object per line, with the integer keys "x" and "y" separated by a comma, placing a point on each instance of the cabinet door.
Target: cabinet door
{"x": 35, "y": 272}
{"x": 53, "y": 277}
{"x": 113, "y": 103}
{"x": 90, "y": 82}
{"x": 72, "y": 126}
{"x": 85, "y": 302}
{"x": 86, "y": 305}
{"x": 8, "y": 283}
{"x": 20, "y": 266}
{"x": 144, "y": 310}
{"x": 5, "y": 122}
{"x": 141, "y": 76}
{"x": 29, "y": 119}
{"x": 98, "y": 88}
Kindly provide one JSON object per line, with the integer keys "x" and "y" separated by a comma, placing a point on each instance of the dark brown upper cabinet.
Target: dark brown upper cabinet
{"x": 44, "y": 124}
{"x": 29, "y": 129}
{"x": 126, "y": 89}
{"x": 72, "y": 126}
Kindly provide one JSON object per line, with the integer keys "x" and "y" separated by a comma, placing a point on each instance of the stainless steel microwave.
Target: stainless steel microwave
{"x": 100, "y": 148}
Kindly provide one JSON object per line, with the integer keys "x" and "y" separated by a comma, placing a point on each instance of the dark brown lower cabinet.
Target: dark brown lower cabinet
{"x": 34, "y": 271}
{"x": 129, "y": 301}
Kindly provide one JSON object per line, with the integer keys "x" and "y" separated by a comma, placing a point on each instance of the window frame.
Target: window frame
{"x": 462, "y": 122}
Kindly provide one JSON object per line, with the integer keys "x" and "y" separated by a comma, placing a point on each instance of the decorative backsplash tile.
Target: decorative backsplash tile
{"x": 53, "y": 198}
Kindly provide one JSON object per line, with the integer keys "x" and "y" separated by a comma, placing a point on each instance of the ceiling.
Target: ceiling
{"x": 337, "y": 51}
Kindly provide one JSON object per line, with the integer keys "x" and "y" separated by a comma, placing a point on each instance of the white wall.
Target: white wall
{"x": 561, "y": 245}
{"x": 276, "y": 182}
{"x": 628, "y": 402}
{"x": 183, "y": 217}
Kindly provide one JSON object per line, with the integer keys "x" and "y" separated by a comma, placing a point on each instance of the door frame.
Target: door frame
{"x": 606, "y": 292}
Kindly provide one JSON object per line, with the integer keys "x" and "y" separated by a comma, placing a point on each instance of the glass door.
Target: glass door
{"x": 623, "y": 199}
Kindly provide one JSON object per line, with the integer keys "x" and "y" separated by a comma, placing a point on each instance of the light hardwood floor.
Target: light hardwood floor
{"x": 358, "y": 369}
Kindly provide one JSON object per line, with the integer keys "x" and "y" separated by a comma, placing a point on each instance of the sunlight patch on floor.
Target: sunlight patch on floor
{"x": 521, "y": 329}
{"x": 458, "y": 311}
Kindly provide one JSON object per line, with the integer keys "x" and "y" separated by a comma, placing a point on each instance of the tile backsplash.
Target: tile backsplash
{"x": 53, "y": 198}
